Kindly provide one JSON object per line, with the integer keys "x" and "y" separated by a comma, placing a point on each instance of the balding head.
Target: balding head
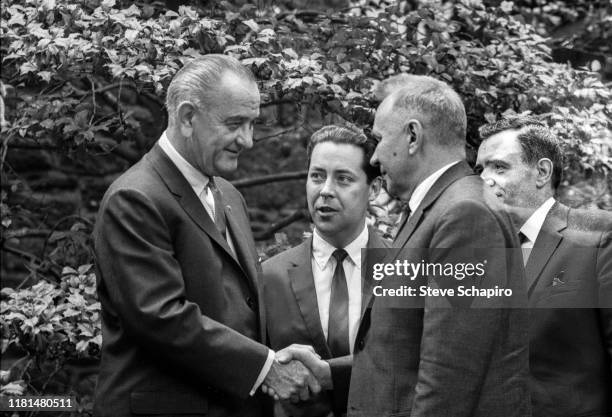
{"x": 437, "y": 105}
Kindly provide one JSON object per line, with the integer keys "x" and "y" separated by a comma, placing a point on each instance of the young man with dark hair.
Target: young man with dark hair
{"x": 314, "y": 292}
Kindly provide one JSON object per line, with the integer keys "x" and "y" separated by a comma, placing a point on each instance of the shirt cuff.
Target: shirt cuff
{"x": 264, "y": 371}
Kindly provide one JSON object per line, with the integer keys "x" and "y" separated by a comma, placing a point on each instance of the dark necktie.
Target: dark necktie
{"x": 218, "y": 209}
{"x": 338, "y": 326}
{"x": 406, "y": 212}
{"x": 526, "y": 251}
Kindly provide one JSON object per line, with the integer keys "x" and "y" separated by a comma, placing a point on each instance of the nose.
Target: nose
{"x": 328, "y": 188}
{"x": 245, "y": 137}
{"x": 489, "y": 181}
{"x": 374, "y": 159}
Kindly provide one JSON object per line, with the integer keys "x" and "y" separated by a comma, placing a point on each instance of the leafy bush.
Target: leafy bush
{"x": 74, "y": 51}
{"x": 51, "y": 327}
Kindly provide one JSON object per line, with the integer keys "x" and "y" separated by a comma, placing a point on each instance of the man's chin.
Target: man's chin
{"x": 226, "y": 168}
{"x": 326, "y": 225}
{"x": 392, "y": 189}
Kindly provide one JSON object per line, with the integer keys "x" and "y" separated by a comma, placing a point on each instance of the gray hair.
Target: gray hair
{"x": 439, "y": 106}
{"x": 199, "y": 77}
{"x": 389, "y": 85}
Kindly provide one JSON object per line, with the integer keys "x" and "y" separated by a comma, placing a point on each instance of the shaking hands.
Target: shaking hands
{"x": 297, "y": 374}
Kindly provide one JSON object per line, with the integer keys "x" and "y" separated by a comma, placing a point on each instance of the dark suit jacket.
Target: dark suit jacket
{"x": 181, "y": 316}
{"x": 423, "y": 359}
{"x": 571, "y": 348}
{"x": 293, "y": 317}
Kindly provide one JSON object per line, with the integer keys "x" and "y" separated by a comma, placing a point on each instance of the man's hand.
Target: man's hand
{"x": 290, "y": 379}
{"x": 306, "y": 354}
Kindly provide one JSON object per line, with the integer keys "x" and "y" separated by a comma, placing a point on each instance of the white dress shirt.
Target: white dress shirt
{"x": 323, "y": 267}
{"x": 198, "y": 183}
{"x": 196, "y": 180}
{"x": 533, "y": 225}
{"x": 423, "y": 188}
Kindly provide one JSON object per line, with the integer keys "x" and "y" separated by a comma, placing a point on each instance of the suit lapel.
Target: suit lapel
{"x": 178, "y": 185}
{"x": 241, "y": 245}
{"x": 546, "y": 243}
{"x": 455, "y": 172}
{"x": 302, "y": 284}
{"x": 374, "y": 242}
{"x": 409, "y": 226}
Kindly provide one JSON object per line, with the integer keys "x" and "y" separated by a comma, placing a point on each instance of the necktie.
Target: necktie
{"x": 219, "y": 213}
{"x": 526, "y": 251}
{"x": 406, "y": 212}
{"x": 338, "y": 326}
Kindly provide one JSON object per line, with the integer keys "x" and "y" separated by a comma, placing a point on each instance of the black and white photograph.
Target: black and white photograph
{"x": 306, "y": 208}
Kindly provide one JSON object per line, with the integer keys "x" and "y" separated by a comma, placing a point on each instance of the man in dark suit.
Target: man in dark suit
{"x": 178, "y": 277}
{"x": 568, "y": 256}
{"x": 431, "y": 355}
{"x": 302, "y": 301}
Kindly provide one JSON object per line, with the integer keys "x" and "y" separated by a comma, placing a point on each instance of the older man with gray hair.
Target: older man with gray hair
{"x": 429, "y": 354}
{"x": 178, "y": 276}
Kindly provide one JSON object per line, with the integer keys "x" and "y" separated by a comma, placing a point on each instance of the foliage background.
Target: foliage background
{"x": 82, "y": 87}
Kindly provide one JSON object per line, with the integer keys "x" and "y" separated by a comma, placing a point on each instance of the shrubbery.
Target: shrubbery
{"x": 56, "y": 326}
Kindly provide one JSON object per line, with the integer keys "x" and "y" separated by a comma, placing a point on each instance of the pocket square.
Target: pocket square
{"x": 557, "y": 280}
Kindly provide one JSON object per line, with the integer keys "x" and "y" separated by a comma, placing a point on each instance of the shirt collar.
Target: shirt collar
{"x": 423, "y": 188}
{"x": 534, "y": 223}
{"x": 322, "y": 250}
{"x": 195, "y": 178}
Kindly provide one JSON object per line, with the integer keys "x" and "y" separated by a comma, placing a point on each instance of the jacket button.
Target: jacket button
{"x": 361, "y": 344}
{"x": 251, "y": 303}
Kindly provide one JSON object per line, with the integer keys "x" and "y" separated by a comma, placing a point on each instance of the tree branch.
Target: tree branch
{"x": 20, "y": 253}
{"x": 25, "y": 232}
{"x": 266, "y": 179}
{"x": 282, "y": 101}
{"x": 96, "y": 89}
{"x": 297, "y": 215}
{"x": 39, "y": 263}
{"x": 105, "y": 146}
{"x": 293, "y": 129}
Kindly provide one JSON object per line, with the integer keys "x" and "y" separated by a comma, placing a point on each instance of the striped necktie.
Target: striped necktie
{"x": 219, "y": 213}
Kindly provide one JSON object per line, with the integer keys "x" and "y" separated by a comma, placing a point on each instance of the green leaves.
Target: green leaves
{"x": 72, "y": 61}
{"x": 45, "y": 316}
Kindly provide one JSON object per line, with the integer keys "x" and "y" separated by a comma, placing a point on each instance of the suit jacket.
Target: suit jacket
{"x": 293, "y": 317}
{"x": 419, "y": 357}
{"x": 569, "y": 272}
{"x": 181, "y": 316}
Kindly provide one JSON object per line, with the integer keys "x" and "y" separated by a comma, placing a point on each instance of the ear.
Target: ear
{"x": 185, "y": 112}
{"x": 545, "y": 171}
{"x": 375, "y": 187}
{"x": 413, "y": 131}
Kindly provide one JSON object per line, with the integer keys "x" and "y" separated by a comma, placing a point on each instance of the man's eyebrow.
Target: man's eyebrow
{"x": 494, "y": 161}
{"x": 345, "y": 171}
{"x": 235, "y": 119}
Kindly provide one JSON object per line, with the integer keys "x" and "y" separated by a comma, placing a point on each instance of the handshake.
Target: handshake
{"x": 297, "y": 374}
